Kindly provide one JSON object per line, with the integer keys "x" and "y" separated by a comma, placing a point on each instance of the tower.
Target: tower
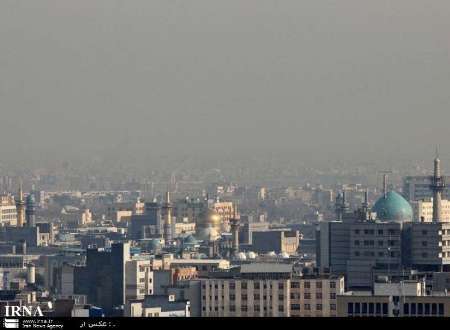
{"x": 437, "y": 186}
{"x": 31, "y": 211}
{"x": 167, "y": 209}
{"x": 235, "y": 224}
{"x": 20, "y": 205}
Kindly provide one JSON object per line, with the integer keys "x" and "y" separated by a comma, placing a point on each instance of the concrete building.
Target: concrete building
{"x": 102, "y": 280}
{"x": 393, "y": 306}
{"x": 8, "y": 211}
{"x": 279, "y": 241}
{"x": 423, "y": 210}
{"x": 157, "y": 306}
{"x": 252, "y": 290}
{"x": 416, "y": 188}
{"x": 315, "y": 295}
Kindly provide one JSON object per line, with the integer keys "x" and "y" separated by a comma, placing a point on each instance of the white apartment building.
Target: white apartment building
{"x": 8, "y": 211}
{"x": 423, "y": 209}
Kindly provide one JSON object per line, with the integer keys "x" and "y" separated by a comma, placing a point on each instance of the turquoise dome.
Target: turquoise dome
{"x": 393, "y": 207}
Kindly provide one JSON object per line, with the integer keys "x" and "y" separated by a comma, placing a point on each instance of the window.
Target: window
{"x": 244, "y": 308}
{"x": 424, "y": 243}
{"x": 295, "y": 307}
{"x": 378, "y": 308}
{"x": 307, "y": 285}
{"x": 380, "y": 231}
{"x": 420, "y": 309}
{"x": 244, "y": 285}
{"x": 307, "y": 295}
{"x": 256, "y": 296}
{"x": 385, "y": 308}
{"x": 433, "y": 309}
{"x": 381, "y": 254}
{"x": 295, "y": 285}
{"x": 256, "y": 308}
{"x": 332, "y": 295}
{"x": 232, "y": 286}
{"x": 441, "y": 309}
{"x": 333, "y": 307}
{"x": 406, "y": 309}
{"x": 364, "y": 308}
{"x": 232, "y": 297}
{"x": 424, "y": 232}
{"x": 244, "y": 297}
{"x": 350, "y": 308}
{"x": 319, "y": 285}
{"x": 357, "y": 231}
{"x": 357, "y": 308}
{"x": 413, "y": 309}
{"x": 280, "y": 286}
{"x": 256, "y": 285}
{"x": 319, "y": 307}
{"x": 371, "y": 308}
{"x": 424, "y": 255}
{"x": 318, "y": 295}
{"x": 232, "y": 308}
{"x": 307, "y": 307}
{"x": 357, "y": 243}
{"x": 357, "y": 253}
{"x": 427, "y": 309}
{"x": 380, "y": 243}
{"x": 333, "y": 285}
{"x": 281, "y": 308}
{"x": 281, "y": 297}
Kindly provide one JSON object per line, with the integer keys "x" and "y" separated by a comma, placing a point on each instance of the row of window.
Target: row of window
{"x": 307, "y": 295}
{"x": 244, "y": 286}
{"x": 379, "y": 232}
{"x": 244, "y": 308}
{"x": 367, "y": 308}
{"x": 423, "y": 309}
{"x": 372, "y": 243}
{"x": 244, "y": 297}
{"x": 307, "y": 307}
{"x": 307, "y": 285}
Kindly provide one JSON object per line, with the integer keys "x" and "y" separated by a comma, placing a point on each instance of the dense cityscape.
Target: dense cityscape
{"x": 216, "y": 248}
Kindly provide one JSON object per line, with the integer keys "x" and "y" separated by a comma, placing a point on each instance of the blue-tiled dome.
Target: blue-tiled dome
{"x": 393, "y": 207}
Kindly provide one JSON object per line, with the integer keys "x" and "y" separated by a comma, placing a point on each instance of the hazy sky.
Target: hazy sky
{"x": 365, "y": 78}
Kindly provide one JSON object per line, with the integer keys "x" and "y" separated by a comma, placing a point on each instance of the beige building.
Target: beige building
{"x": 8, "y": 211}
{"x": 245, "y": 297}
{"x": 315, "y": 296}
{"x": 423, "y": 210}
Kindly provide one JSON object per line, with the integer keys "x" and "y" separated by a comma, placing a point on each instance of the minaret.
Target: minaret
{"x": 235, "y": 224}
{"x": 437, "y": 186}
{"x": 167, "y": 208}
{"x": 20, "y": 205}
{"x": 31, "y": 211}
